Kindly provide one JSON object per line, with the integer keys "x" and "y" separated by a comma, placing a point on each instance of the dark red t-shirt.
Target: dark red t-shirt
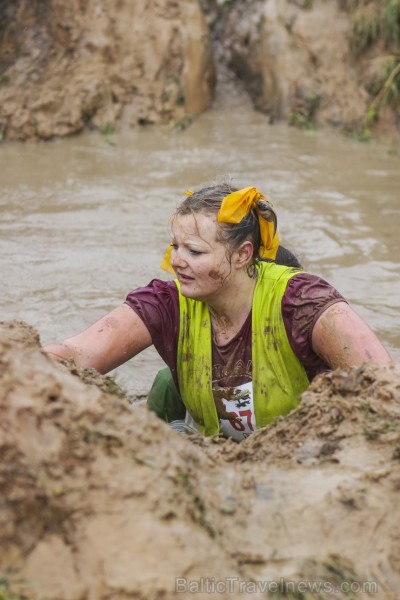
{"x": 306, "y": 297}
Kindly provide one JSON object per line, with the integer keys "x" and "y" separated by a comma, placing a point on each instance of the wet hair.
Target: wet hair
{"x": 285, "y": 257}
{"x": 209, "y": 200}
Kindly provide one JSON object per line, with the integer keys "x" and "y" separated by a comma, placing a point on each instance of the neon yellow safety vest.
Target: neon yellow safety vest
{"x": 278, "y": 377}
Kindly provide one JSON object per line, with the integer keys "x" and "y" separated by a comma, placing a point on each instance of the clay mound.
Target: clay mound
{"x": 326, "y": 486}
{"x": 339, "y": 414}
{"x": 70, "y": 65}
{"x": 101, "y": 500}
{"x": 98, "y": 498}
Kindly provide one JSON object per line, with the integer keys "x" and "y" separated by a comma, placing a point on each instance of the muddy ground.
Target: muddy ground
{"x": 100, "y": 500}
{"x": 69, "y": 66}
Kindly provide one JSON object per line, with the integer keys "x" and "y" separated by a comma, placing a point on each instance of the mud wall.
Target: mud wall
{"x": 67, "y": 65}
{"x": 111, "y": 65}
{"x": 100, "y": 499}
{"x": 295, "y": 60}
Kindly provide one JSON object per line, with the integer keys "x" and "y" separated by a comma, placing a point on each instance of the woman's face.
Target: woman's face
{"x": 200, "y": 262}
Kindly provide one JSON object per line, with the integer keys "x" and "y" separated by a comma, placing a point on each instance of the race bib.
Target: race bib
{"x": 240, "y": 405}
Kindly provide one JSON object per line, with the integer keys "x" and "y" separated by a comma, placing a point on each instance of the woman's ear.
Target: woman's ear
{"x": 244, "y": 254}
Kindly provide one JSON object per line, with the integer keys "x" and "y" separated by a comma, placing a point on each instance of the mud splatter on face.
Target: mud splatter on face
{"x": 214, "y": 275}
{"x": 217, "y": 276}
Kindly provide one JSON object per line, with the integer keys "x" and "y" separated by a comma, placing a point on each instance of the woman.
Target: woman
{"x": 164, "y": 399}
{"x": 242, "y": 337}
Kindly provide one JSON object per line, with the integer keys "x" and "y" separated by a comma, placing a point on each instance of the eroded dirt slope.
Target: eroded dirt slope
{"x": 67, "y": 65}
{"x": 101, "y": 500}
{"x": 296, "y": 61}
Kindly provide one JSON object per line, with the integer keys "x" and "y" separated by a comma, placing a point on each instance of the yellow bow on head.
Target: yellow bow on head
{"x": 166, "y": 261}
{"x": 236, "y": 206}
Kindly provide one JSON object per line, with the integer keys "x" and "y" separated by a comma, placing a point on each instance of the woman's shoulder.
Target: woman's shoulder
{"x": 306, "y": 297}
{"x": 157, "y": 289}
{"x": 157, "y": 305}
{"x": 158, "y": 301}
{"x": 308, "y": 286}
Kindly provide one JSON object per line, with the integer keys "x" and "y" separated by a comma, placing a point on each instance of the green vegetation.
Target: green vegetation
{"x": 374, "y": 21}
{"x": 384, "y": 91}
{"x": 106, "y": 129}
{"x": 174, "y": 88}
{"x": 376, "y": 29}
{"x": 6, "y": 593}
{"x": 304, "y": 111}
{"x": 182, "y": 124}
{"x": 389, "y": 93}
{"x": 223, "y": 2}
{"x": 320, "y": 580}
{"x": 375, "y": 32}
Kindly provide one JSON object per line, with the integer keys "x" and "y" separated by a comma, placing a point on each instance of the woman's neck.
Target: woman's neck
{"x": 230, "y": 309}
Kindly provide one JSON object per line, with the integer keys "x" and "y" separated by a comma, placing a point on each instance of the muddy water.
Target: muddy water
{"x": 84, "y": 220}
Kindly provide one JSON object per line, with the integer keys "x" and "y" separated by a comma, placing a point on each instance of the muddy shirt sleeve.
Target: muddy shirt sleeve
{"x": 157, "y": 305}
{"x": 306, "y": 297}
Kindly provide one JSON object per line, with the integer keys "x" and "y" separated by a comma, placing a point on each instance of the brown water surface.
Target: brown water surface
{"x": 84, "y": 220}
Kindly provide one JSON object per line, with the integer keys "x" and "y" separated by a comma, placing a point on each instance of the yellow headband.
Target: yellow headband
{"x": 236, "y": 206}
{"x": 233, "y": 209}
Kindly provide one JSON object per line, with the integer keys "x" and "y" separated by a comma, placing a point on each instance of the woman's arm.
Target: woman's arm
{"x": 113, "y": 340}
{"x": 341, "y": 338}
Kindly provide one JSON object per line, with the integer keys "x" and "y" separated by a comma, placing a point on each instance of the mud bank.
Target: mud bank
{"x": 69, "y": 65}
{"x": 66, "y": 66}
{"x": 101, "y": 500}
{"x": 314, "y": 63}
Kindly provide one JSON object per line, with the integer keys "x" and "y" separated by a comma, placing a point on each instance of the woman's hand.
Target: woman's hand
{"x": 110, "y": 342}
{"x": 342, "y": 338}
